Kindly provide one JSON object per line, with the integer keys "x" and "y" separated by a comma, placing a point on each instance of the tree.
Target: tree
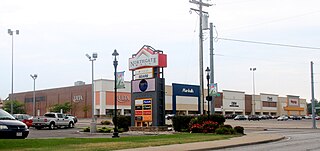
{"x": 18, "y": 107}
{"x": 309, "y": 107}
{"x": 66, "y": 107}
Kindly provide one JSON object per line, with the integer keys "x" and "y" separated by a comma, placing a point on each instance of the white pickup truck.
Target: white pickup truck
{"x": 52, "y": 120}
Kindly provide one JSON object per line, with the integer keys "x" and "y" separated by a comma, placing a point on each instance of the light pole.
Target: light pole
{"x": 10, "y": 32}
{"x": 34, "y": 77}
{"x": 93, "y": 122}
{"x": 208, "y": 84}
{"x": 253, "y": 87}
{"x": 115, "y": 64}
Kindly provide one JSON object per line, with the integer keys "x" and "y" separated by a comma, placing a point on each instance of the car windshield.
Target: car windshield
{"x": 5, "y": 115}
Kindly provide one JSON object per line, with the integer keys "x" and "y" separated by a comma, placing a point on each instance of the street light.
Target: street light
{"x": 115, "y": 64}
{"x": 10, "y": 32}
{"x": 34, "y": 77}
{"x": 208, "y": 96}
{"x": 93, "y": 122}
{"x": 253, "y": 85}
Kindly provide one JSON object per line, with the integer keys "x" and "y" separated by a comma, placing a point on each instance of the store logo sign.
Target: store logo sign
{"x": 122, "y": 98}
{"x": 234, "y": 104}
{"x": 77, "y": 98}
{"x": 185, "y": 90}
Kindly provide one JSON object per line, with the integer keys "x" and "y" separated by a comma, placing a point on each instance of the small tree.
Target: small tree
{"x": 85, "y": 110}
{"x": 66, "y": 107}
{"x": 18, "y": 107}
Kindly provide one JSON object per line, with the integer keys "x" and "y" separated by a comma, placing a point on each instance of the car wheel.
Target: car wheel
{"x": 51, "y": 126}
{"x": 71, "y": 125}
{"x": 38, "y": 128}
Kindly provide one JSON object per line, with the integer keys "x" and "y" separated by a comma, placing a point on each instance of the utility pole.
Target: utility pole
{"x": 200, "y": 13}
{"x": 313, "y": 103}
{"x": 212, "y": 67}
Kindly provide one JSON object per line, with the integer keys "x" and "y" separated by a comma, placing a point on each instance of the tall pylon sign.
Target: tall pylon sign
{"x": 148, "y": 87}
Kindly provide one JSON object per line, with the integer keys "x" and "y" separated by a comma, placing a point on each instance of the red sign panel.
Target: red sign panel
{"x": 138, "y": 112}
{"x": 146, "y": 112}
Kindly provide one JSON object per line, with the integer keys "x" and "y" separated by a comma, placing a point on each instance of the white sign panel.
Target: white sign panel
{"x": 269, "y": 98}
{"x": 144, "y": 85}
{"x": 293, "y": 101}
{"x": 144, "y": 73}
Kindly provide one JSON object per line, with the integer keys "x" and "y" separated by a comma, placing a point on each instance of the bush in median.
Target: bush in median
{"x": 239, "y": 129}
{"x": 181, "y": 123}
{"x": 106, "y": 122}
{"x": 123, "y": 122}
{"x": 225, "y": 131}
{"x": 104, "y": 130}
{"x": 87, "y": 129}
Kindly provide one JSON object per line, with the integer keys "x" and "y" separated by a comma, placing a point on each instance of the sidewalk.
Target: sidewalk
{"x": 249, "y": 139}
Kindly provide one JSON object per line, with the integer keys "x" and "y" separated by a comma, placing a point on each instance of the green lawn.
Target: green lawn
{"x": 85, "y": 144}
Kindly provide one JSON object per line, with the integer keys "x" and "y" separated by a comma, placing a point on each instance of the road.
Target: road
{"x": 296, "y": 140}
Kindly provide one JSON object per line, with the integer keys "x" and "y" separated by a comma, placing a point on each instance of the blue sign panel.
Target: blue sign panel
{"x": 184, "y": 90}
{"x": 146, "y": 101}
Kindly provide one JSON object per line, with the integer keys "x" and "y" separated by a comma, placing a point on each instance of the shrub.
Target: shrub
{"x": 180, "y": 123}
{"x": 227, "y": 126}
{"x": 123, "y": 122}
{"x": 209, "y": 126}
{"x": 120, "y": 130}
{"x": 87, "y": 129}
{"x": 225, "y": 131}
{"x": 106, "y": 122}
{"x": 196, "y": 128}
{"x": 217, "y": 118}
{"x": 202, "y": 118}
{"x": 239, "y": 129}
{"x": 104, "y": 130}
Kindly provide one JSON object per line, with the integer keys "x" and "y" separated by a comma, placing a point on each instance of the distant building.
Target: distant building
{"x": 180, "y": 99}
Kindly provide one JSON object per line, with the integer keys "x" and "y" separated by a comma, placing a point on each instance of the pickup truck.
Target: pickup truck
{"x": 52, "y": 120}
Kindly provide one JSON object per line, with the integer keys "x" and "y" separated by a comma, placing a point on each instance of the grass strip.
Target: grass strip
{"x": 88, "y": 144}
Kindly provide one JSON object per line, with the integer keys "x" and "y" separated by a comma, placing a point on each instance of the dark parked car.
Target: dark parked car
{"x": 25, "y": 118}
{"x": 296, "y": 118}
{"x": 254, "y": 118}
{"x": 230, "y": 116}
{"x": 12, "y": 128}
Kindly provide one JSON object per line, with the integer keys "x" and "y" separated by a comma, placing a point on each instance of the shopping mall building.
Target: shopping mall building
{"x": 181, "y": 99}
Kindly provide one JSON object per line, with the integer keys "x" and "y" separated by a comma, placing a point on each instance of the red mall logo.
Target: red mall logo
{"x": 147, "y": 57}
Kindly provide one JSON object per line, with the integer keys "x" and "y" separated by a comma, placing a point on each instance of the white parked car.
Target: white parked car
{"x": 169, "y": 116}
{"x": 307, "y": 117}
{"x": 282, "y": 118}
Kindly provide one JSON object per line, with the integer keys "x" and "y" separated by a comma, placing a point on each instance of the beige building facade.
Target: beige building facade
{"x": 180, "y": 99}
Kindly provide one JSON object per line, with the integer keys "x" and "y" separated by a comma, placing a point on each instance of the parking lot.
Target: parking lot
{"x": 249, "y": 125}
{"x": 273, "y": 123}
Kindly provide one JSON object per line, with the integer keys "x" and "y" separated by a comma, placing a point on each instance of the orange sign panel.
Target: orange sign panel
{"x": 147, "y": 118}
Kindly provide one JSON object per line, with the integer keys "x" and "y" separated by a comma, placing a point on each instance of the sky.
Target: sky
{"x": 55, "y": 36}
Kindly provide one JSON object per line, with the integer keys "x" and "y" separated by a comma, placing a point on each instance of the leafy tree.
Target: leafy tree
{"x": 18, "y": 107}
{"x": 66, "y": 107}
{"x": 309, "y": 107}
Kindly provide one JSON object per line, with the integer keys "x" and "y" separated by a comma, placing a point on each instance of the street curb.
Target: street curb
{"x": 238, "y": 145}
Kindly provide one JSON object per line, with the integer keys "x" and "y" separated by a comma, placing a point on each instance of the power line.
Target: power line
{"x": 268, "y": 43}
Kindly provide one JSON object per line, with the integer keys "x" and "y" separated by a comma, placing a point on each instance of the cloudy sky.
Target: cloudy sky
{"x": 55, "y": 36}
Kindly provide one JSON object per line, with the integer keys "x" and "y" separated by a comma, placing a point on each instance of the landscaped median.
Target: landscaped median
{"x": 108, "y": 143}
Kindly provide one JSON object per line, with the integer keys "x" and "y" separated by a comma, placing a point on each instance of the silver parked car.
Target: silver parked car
{"x": 282, "y": 118}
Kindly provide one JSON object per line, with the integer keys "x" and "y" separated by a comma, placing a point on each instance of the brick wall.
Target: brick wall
{"x": 78, "y": 96}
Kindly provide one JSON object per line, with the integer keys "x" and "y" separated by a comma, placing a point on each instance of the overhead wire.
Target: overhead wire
{"x": 269, "y": 43}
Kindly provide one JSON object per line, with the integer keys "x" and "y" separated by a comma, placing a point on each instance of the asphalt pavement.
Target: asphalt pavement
{"x": 286, "y": 133}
